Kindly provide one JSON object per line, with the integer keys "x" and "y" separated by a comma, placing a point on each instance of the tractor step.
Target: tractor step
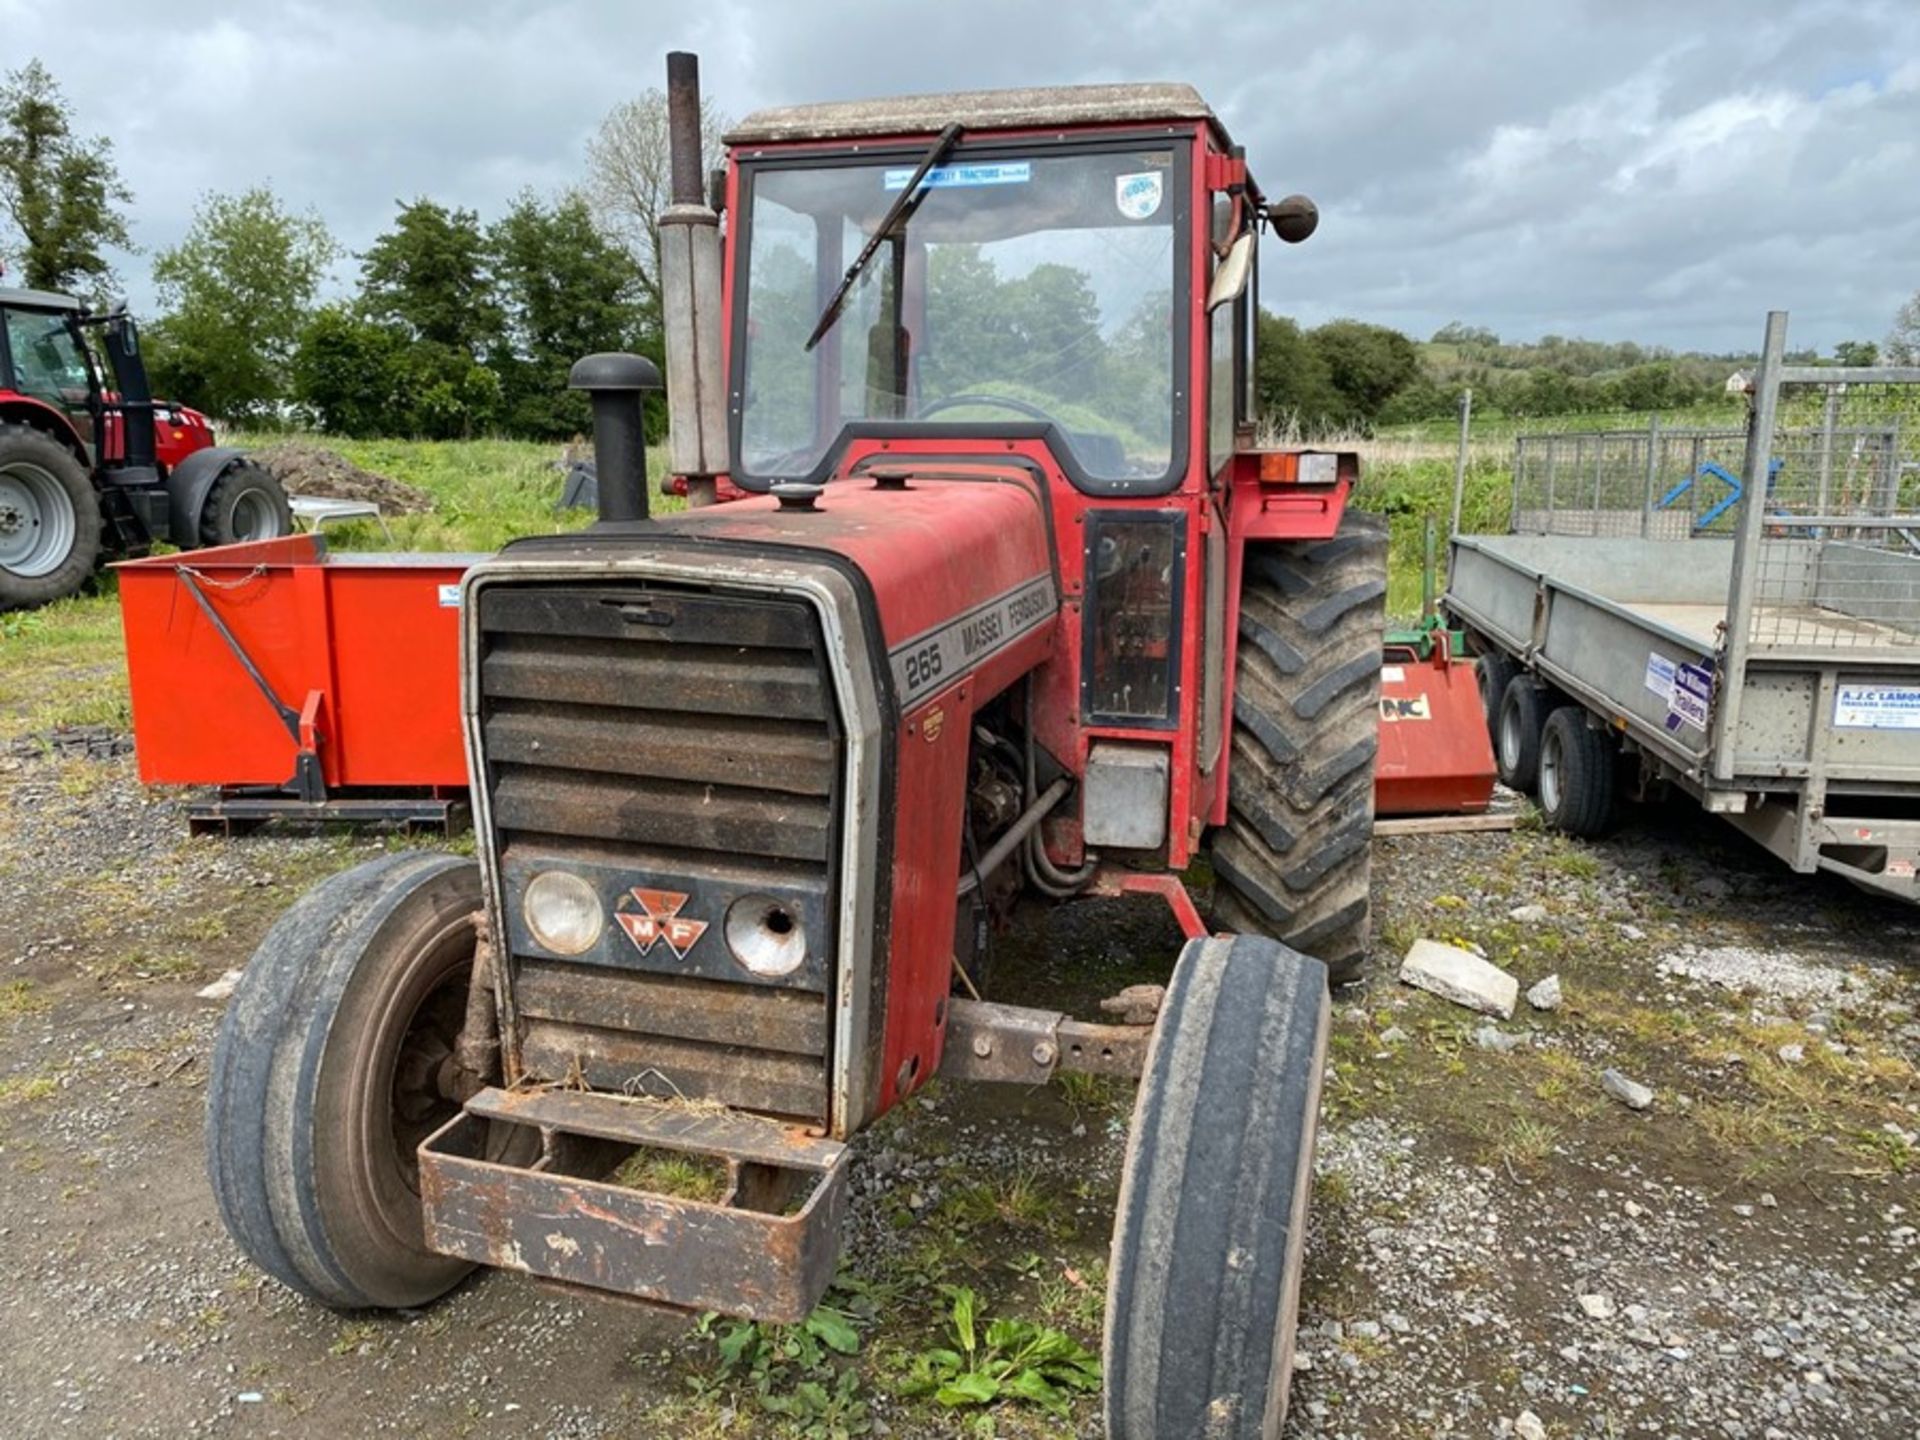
{"x": 763, "y": 1247}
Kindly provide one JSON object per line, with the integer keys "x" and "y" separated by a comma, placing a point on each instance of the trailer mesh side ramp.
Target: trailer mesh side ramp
{"x": 1836, "y": 553}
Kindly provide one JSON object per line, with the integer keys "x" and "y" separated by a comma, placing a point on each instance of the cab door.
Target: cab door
{"x": 48, "y": 363}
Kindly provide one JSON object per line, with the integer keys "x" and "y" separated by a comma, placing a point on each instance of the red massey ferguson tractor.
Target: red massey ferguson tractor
{"x": 88, "y": 471}
{"x": 1014, "y": 610}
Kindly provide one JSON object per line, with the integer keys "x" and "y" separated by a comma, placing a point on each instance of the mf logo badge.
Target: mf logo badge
{"x": 659, "y": 921}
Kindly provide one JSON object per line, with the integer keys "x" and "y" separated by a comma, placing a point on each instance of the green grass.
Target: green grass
{"x": 62, "y": 666}
{"x": 485, "y": 492}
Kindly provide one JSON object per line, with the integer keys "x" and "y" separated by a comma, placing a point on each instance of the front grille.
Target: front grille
{"x": 678, "y": 749}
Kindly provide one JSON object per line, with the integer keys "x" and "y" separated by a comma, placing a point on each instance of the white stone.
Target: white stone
{"x": 1793, "y": 1054}
{"x": 1460, "y": 976}
{"x": 1528, "y": 914}
{"x": 1527, "y": 1426}
{"x": 1492, "y": 1037}
{"x": 1546, "y": 995}
{"x": 223, "y": 988}
{"x": 1597, "y": 1307}
{"x": 1630, "y": 1093}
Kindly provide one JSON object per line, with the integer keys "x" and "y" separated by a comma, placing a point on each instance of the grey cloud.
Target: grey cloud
{"x": 1626, "y": 169}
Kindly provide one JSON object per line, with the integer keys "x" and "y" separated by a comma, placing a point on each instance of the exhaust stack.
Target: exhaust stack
{"x": 615, "y": 382}
{"x": 690, "y": 296}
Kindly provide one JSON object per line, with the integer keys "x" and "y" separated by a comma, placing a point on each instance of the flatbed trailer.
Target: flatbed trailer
{"x": 1762, "y": 657}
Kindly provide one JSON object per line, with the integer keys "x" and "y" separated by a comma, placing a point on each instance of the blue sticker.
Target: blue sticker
{"x": 1014, "y": 172}
{"x": 1138, "y": 196}
{"x": 1692, "y": 699}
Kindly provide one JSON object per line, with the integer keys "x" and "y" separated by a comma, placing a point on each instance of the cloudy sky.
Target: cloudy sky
{"x": 1661, "y": 170}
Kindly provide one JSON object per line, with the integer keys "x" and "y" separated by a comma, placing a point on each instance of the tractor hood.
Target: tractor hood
{"x": 956, "y": 558}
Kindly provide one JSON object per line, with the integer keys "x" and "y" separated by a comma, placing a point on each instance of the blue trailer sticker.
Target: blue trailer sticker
{"x": 1876, "y": 707}
{"x": 942, "y": 177}
{"x": 1692, "y": 699}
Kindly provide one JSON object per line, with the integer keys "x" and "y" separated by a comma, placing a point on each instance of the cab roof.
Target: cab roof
{"x": 36, "y": 300}
{"x": 1037, "y": 108}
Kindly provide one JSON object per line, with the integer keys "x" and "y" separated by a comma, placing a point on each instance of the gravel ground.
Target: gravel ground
{"x": 1498, "y": 1247}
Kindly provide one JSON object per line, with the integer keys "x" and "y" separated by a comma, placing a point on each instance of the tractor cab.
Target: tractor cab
{"x": 1068, "y": 267}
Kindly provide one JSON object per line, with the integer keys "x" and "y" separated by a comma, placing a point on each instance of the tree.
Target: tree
{"x": 429, "y": 274}
{"x": 1903, "y": 341}
{"x": 365, "y": 377}
{"x": 237, "y": 291}
{"x": 565, "y": 291}
{"x": 1368, "y": 365}
{"x": 1290, "y": 376}
{"x": 629, "y": 182}
{"x": 1856, "y": 352}
{"x": 62, "y": 194}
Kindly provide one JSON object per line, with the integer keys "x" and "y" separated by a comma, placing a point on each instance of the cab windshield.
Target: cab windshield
{"x": 1027, "y": 286}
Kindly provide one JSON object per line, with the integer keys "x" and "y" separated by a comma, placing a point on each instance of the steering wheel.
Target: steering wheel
{"x": 1007, "y": 402}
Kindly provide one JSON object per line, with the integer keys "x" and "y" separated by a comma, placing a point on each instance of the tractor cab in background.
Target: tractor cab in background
{"x": 92, "y": 466}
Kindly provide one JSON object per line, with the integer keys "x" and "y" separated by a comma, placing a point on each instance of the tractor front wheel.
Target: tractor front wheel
{"x": 1204, "y": 1287}
{"x": 333, "y": 1063}
{"x": 246, "y": 503}
{"x": 1292, "y": 860}
{"x": 49, "y": 520}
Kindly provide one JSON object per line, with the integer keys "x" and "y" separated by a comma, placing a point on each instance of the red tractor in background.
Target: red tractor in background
{"x": 1014, "y": 611}
{"x": 89, "y": 472}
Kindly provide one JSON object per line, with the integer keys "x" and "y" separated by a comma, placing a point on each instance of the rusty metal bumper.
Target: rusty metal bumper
{"x": 766, "y": 1250}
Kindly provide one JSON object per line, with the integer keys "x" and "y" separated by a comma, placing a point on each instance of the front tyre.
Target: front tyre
{"x": 1293, "y": 859}
{"x": 1204, "y": 1286}
{"x": 246, "y": 503}
{"x": 332, "y": 1064}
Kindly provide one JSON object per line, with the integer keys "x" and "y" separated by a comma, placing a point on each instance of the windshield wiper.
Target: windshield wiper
{"x": 897, "y": 215}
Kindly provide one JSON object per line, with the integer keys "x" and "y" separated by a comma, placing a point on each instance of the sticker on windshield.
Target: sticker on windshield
{"x": 1138, "y": 196}
{"x": 1013, "y": 172}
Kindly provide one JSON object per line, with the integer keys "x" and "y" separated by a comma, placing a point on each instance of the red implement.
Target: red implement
{"x": 275, "y": 663}
{"x": 1435, "y": 756}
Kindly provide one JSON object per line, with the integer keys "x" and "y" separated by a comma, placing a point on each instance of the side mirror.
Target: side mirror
{"x": 1230, "y": 277}
{"x": 1294, "y": 218}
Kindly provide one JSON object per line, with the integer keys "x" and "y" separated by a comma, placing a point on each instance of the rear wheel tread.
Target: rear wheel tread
{"x": 1292, "y": 859}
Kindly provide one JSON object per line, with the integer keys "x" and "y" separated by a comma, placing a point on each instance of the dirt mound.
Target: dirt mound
{"x": 309, "y": 470}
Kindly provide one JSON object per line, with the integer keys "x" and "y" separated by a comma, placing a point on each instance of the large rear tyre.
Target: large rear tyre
{"x": 1516, "y": 741}
{"x": 1576, "y": 774}
{"x": 49, "y": 520}
{"x": 1292, "y": 861}
{"x": 1204, "y": 1287}
{"x": 245, "y": 503}
{"x": 332, "y": 1065}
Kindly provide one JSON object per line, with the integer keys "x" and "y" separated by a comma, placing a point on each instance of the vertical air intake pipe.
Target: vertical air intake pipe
{"x": 615, "y": 383}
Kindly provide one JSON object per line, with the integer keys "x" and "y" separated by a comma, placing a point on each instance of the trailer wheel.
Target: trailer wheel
{"x": 327, "y": 1074}
{"x": 1293, "y": 859}
{"x": 1516, "y": 743}
{"x": 245, "y": 503}
{"x": 1493, "y": 672}
{"x": 1204, "y": 1285}
{"x": 49, "y": 520}
{"x": 1576, "y": 774}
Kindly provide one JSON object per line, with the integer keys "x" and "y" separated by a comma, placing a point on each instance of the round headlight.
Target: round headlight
{"x": 766, "y": 936}
{"x": 563, "y": 912}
